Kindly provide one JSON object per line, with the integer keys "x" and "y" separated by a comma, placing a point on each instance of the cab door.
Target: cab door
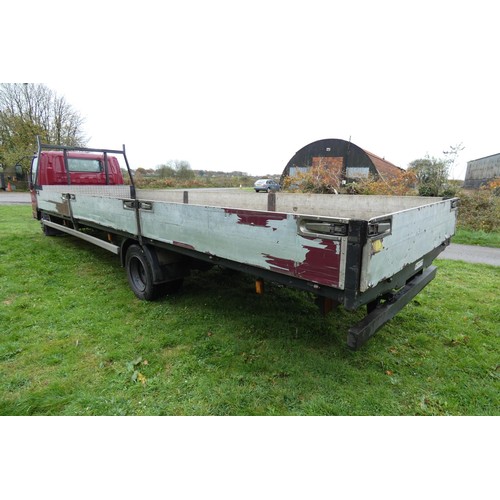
{"x": 32, "y": 186}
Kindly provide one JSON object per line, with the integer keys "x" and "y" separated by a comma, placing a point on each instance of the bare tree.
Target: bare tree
{"x": 451, "y": 157}
{"x": 182, "y": 169}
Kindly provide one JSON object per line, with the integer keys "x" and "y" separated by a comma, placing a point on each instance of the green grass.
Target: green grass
{"x": 74, "y": 340}
{"x": 481, "y": 238}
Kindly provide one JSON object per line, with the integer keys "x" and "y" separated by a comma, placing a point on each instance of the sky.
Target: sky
{"x": 243, "y": 85}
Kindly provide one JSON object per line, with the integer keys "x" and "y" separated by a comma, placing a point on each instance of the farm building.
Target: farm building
{"x": 482, "y": 171}
{"x": 347, "y": 161}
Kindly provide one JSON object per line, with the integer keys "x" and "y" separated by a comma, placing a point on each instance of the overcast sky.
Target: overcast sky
{"x": 243, "y": 85}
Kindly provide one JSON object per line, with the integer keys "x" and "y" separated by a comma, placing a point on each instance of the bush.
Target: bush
{"x": 317, "y": 179}
{"x": 495, "y": 187}
{"x": 402, "y": 184}
{"x": 431, "y": 174}
{"x": 144, "y": 182}
{"x": 480, "y": 210}
{"x": 321, "y": 180}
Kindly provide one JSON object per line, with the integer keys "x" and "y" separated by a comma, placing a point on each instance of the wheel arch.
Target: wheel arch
{"x": 125, "y": 245}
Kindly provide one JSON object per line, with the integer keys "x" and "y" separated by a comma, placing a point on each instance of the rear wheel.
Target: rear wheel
{"x": 140, "y": 274}
{"x": 141, "y": 278}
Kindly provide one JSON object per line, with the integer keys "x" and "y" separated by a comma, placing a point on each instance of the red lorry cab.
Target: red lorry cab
{"x": 49, "y": 168}
{"x": 63, "y": 165}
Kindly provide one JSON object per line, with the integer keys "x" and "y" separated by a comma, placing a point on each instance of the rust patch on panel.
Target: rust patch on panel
{"x": 183, "y": 245}
{"x": 253, "y": 218}
{"x": 61, "y": 207}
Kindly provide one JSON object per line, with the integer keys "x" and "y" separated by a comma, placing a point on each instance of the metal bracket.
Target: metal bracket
{"x": 141, "y": 205}
{"x": 129, "y": 204}
{"x": 379, "y": 228}
{"x": 315, "y": 227}
{"x": 146, "y": 205}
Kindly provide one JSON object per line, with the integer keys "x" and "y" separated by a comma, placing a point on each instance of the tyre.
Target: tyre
{"x": 140, "y": 274}
{"x": 49, "y": 231}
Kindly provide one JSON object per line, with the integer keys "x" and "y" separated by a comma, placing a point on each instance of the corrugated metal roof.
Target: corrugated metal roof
{"x": 484, "y": 157}
{"x": 355, "y": 160}
{"x": 384, "y": 168}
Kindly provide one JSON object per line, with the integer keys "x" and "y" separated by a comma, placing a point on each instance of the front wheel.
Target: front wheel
{"x": 49, "y": 231}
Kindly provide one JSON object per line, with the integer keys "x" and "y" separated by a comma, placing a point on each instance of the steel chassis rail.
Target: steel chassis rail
{"x": 83, "y": 236}
{"x": 384, "y": 312}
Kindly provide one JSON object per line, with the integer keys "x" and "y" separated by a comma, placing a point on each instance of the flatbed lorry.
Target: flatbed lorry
{"x": 373, "y": 251}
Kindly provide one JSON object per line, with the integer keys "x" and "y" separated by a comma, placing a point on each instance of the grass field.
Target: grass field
{"x": 74, "y": 340}
{"x": 482, "y": 238}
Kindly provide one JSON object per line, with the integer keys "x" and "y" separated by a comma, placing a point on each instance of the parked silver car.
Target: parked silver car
{"x": 266, "y": 185}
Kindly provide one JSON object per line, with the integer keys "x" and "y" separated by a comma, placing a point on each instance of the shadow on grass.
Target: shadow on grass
{"x": 280, "y": 313}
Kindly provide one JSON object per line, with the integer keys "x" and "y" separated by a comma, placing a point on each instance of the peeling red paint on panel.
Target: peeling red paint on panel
{"x": 321, "y": 265}
{"x": 254, "y": 218}
{"x": 284, "y": 266}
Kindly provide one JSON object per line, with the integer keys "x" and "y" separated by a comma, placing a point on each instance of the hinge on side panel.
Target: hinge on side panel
{"x": 130, "y": 204}
{"x": 318, "y": 228}
{"x": 146, "y": 205}
{"x": 379, "y": 229}
{"x": 326, "y": 228}
{"x": 133, "y": 204}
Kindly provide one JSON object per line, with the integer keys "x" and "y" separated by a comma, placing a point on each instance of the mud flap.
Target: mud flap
{"x": 384, "y": 312}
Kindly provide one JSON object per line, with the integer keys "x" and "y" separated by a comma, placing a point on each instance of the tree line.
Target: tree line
{"x": 31, "y": 109}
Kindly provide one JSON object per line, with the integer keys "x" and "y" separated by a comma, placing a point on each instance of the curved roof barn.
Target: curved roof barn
{"x": 347, "y": 160}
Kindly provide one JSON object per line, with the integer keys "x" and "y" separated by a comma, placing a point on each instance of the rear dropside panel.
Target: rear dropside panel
{"x": 413, "y": 234}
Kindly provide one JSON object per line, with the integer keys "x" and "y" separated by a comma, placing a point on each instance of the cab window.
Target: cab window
{"x": 84, "y": 165}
